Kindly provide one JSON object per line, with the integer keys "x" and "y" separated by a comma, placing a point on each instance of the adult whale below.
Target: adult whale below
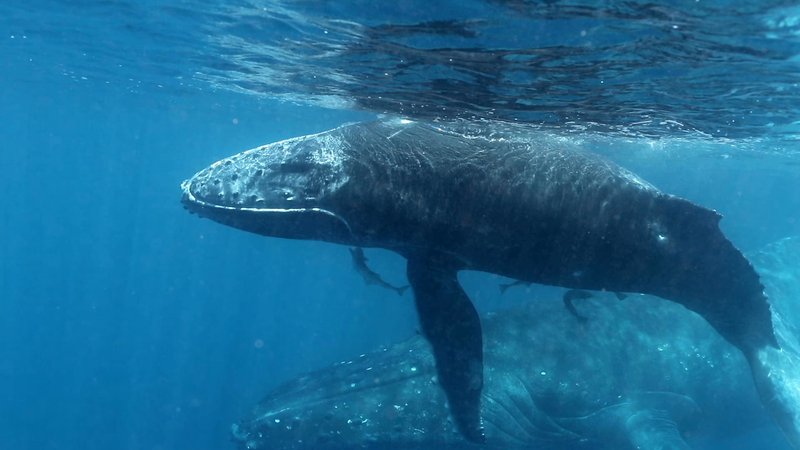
{"x": 644, "y": 375}
{"x": 522, "y": 207}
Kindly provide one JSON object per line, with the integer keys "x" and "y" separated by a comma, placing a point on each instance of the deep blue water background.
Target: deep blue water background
{"x": 127, "y": 323}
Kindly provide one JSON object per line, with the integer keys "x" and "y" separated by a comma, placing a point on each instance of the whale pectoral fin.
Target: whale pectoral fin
{"x": 645, "y": 420}
{"x": 652, "y": 430}
{"x": 775, "y": 375}
{"x": 654, "y": 419}
{"x": 451, "y": 325}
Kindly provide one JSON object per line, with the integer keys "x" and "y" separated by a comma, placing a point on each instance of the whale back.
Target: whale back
{"x": 534, "y": 209}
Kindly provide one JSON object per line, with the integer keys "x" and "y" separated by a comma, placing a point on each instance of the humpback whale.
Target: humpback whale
{"x": 643, "y": 375}
{"x": 525, "y": 207}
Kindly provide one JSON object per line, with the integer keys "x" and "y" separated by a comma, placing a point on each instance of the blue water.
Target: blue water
{"x": 127, "y": 323}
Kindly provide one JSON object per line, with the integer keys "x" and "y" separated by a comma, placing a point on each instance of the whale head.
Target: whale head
{"x": 285, "y": 189}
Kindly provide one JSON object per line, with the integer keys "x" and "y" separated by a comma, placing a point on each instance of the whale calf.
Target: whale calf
{"x": 637, "y": 375}
{"x": 522, "y": 206}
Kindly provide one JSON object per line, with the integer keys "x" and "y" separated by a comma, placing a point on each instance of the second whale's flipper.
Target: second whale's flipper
{"x": 571, "y": 295}
{"x": 654, "y": 430}
{"x": 452, "y": 326}
{"x": 640, "y": 420}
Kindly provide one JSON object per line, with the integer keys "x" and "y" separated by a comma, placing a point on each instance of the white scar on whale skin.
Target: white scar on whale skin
{"x": 186, "y": 185}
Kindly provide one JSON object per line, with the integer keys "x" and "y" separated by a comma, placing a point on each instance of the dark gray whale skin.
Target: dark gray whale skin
{"x": 521, "y": 206}
{"x": 639, "y": 375}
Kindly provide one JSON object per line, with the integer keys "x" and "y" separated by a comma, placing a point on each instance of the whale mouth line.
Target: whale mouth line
{"x": 192, "y": 199}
